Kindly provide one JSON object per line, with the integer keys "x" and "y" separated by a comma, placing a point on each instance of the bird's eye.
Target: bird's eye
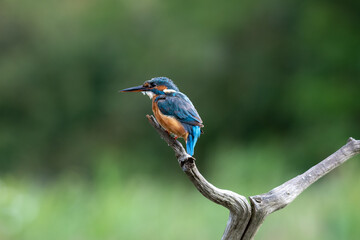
{"x": 152, "y": 84}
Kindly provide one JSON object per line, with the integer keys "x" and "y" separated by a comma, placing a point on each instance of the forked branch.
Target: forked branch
{"x": 245, "y": 220}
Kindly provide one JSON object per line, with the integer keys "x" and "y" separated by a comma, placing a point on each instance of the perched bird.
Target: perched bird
{"x": 172, "y": 109}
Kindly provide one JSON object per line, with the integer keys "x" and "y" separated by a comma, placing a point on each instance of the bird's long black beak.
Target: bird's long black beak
{"x": 135, "y": 89}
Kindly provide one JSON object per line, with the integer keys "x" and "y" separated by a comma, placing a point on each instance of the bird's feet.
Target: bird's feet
{"x": 172, "y": 135}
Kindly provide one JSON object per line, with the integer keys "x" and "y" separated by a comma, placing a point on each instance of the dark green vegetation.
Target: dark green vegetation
{"x": 276, "y": 82}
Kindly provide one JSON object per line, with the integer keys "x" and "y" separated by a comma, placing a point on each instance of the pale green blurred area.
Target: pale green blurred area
{"x": 276, "y": 83}
{"x": 113, "y": 207}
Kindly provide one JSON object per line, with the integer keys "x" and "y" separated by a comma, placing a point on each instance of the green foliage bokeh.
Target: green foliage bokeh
{"x": 276, "y": 82}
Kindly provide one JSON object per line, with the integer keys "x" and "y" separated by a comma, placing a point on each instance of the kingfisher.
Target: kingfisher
{"x": 172, "y": 109}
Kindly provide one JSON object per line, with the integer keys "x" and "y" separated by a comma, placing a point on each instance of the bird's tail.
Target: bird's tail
{"x": 194, "y": 134}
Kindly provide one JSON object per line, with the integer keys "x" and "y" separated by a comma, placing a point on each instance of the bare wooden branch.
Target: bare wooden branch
{"x": 240, "y": 209}
{"x": 244, "y": 221}
{"x": 284, "y": 194}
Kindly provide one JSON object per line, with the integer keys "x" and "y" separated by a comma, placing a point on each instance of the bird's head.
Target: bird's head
{"x": 155, "y": 86}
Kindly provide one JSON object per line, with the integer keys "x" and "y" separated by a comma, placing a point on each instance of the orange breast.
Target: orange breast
{"x": 170, "y": 124}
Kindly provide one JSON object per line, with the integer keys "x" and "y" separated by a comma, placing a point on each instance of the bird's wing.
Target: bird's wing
{"x": 180, "y": 107}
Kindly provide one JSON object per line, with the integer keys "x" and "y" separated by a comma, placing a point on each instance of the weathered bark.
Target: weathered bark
{"x": 245, "y": 220}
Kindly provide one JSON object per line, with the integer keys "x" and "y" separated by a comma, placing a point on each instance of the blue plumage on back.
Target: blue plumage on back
{"x": 179, "y": 106}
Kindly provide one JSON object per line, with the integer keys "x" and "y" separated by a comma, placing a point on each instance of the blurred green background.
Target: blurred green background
{"x": 276, "y": 83}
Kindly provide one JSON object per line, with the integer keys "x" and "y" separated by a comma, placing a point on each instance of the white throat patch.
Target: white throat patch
{"x": 149, "y": 93}
{"x": 169, "y": 91}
